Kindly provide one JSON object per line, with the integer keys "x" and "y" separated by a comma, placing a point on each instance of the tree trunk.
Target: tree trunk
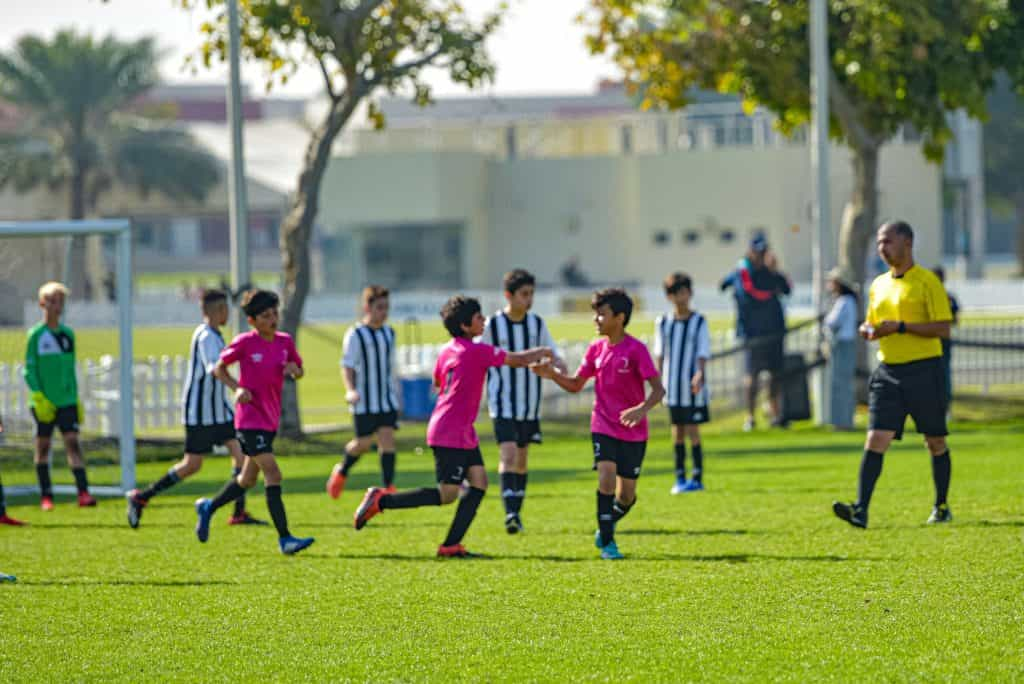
{"x": 855, "y": 236}
{"x": 78, "y": 268}
{"x": 296, "y": 231}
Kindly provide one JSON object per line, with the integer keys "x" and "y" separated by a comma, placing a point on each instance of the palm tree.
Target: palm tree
{"x": 77, "y": 134}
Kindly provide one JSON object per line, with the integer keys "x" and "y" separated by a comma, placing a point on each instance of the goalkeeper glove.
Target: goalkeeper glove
{"x": 44, "y": 409}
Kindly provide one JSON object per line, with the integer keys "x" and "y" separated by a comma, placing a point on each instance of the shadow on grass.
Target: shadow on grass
{"x": 124, "y": 583}
{"x": 991, "y": 523}
{"x": 688, "y": 533}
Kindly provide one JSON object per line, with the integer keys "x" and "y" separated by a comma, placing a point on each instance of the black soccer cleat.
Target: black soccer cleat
{"x": 513, "y": 525}
{"x": 940, "y": 514}
{"x": 135, "y": 506}
{"x": 851, "y": 513}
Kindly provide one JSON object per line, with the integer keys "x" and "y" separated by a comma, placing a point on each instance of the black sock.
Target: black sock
{"x": 619, "y": 510}
{"x": 411, "y": 498}
{"x": 3, "y": 501}
{"x": 240, "y": 501}
{"x": 350, "y": 461}
{"x": 166, "y": 482}
{"x": 276, "y": 508}
{"x": 520, "y": 491}
{"x": 43, "y": 474}
{"x": 81, "y": 482}
{"x": 698, "y": 462}
{"x": 464, "y": 515}
{"x": 231, "y": 491}
{"x": 508, "y": 492}
{"x": 680, "y": 461}
{"x": 387, "y": 467}
{"x": 605, "y": 517}
{"x": 870, "y": 469}
{"x": 941, "y": 470}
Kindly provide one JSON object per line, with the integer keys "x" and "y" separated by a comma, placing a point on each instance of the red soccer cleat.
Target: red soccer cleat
{"x": 335, "y": 483}
{"x": 369, "y": 507}
{"x": 390, "y": 489}
{"x": 455, "y": 551}
{"x": 46, "y": 503}
{"x": 245, "y": 519}
{"x": 86, "y": 500}
{"x": 8, "y": 520}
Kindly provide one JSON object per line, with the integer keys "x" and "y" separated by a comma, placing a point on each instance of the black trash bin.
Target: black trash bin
{"x": 796, "y": 400}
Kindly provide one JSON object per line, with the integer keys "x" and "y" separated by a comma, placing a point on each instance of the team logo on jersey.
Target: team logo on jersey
{"x": 257, "y": 357}
{"x": 625, "y": 365}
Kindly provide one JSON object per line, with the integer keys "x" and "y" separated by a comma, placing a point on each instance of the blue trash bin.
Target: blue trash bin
{"x": 417, "y": 398}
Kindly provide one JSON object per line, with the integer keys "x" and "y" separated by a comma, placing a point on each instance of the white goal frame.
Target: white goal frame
{"x": 122, "y": 229}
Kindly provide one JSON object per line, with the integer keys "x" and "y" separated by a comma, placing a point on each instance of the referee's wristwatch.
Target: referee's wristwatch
{"x": 903, "y": 327}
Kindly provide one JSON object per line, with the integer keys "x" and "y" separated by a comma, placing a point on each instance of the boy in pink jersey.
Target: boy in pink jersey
{"x": 264, "y": 357}
{"x": 459, "y": 378}
{"x": 620, "y": 364}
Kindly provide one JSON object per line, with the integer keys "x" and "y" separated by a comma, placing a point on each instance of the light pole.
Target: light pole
{"x": 238, "y": 203}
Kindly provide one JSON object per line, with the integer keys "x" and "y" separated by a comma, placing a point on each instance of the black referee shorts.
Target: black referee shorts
{"x": 200, "y": 439}
{"x": 367, "y": 424}
{"x": 522, "y": 432}
{"x": 917, "y": 389}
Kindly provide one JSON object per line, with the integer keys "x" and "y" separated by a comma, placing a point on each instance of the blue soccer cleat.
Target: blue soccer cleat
{"x": 292, "y": 545}
{"x": 7, "y": 578}
{"x": 205, "y": 512}
{"x": 680, "y": 486}
{"x": 693, "y": 486}
{"x": 610, "y": 551}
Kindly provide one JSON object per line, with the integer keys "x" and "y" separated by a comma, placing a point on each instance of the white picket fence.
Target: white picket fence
{"x": 158, "y": 383}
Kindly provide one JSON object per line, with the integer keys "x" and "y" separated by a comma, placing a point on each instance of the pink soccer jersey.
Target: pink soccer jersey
{"x": 261, "y": 371}
{"x": 620, "y": 371}
{"x": 459, "y": 375}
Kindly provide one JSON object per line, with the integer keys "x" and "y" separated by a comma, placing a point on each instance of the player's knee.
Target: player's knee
{"x": 936, "y": 445}
{"x": 359, "y": 446}
{"x": 449, "y": 493}
{"x": 190, "y": 465}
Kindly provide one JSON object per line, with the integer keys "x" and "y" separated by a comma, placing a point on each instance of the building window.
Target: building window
{"x": 727, "y": 236}
{"x": 691, "y": 236}
{"x": 661, "y": 238}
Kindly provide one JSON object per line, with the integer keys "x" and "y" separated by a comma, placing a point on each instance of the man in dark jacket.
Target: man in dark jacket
{"x": 760, "y": 322}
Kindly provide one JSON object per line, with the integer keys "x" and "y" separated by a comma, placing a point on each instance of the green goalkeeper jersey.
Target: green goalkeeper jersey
{"x": 50, "y": 364}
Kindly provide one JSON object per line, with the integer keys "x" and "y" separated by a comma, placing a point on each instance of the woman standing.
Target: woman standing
{"x": 841, "y": 327}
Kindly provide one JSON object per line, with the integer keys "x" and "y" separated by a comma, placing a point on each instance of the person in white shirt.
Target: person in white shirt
{"x": 841, "y": 330}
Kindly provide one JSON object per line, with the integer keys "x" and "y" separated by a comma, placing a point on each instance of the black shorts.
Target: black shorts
{"x": 522, "y": 432}
{"x": 627, "y": 456}
{"x": 200, "y": 439}
{"x": 689, "y": 415}
{"x": 66, "y": 419}
{"x": 256, "y": 442}
{"x": 764, "y": 356}
{"x": 451, "y": 465}
{"x": 368, "y": 423}
{"x": 917, "y": 389}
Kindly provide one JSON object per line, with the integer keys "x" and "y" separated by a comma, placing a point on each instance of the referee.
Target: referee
{"x": 908, "y": 313}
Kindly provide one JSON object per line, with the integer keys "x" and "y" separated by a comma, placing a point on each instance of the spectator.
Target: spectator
{"x": 757, "y": 286}
{"x": 841, "y": 329}
{"x": 572, "y": 276}
{"x": 947, "y": 345}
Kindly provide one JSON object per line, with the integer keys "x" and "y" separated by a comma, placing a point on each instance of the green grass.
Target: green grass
{"x": 750, "y": 580}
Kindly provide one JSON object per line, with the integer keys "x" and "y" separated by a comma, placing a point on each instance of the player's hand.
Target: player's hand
{"x": 886, "y": 328}
{"x": 543, "y": 368}
{"x": 697, "y": 384}
{"x": 352, "y": 396}
{"x": 242, "y": 396}
{"x": 44, "y": 409}
{"x": 293, "y": 370}
{"x": 866, "y": 330}
{"x": 632, "y": 416}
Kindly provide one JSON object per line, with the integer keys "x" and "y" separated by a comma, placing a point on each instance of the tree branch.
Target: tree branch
{"x": 847, "y": 113}
{"x": 400, "y": 70}
{"x": 328, "y": 82}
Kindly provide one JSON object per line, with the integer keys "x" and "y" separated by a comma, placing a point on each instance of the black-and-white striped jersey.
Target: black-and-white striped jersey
{"x": 679, "y": 343}
{"x": 203, "y": 399}
{"x": 514, "y": 393}
{"x": 370, "y": 353}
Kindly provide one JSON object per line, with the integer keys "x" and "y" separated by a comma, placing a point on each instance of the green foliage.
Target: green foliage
{"x": 74, "y": 94}
{"x": 894, "y": 62}
{"x": 752, "y": 580}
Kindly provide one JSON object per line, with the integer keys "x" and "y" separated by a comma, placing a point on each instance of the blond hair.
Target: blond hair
{"x": 51, "y": 288}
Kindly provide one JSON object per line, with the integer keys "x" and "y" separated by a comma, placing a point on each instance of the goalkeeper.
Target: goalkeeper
{"x": 50, "y": 375}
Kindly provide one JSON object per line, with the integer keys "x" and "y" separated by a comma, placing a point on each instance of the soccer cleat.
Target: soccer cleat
{"x": 46, "y": 503}
{"x": 610, "y": 551}
{"x": 86, "y": 500}
{"x": 390, "y": 489}
{"x": 292, "y": 545}
{"x": 335, "y": 483}
{"x": 13, "y": 522}
{"x": 7, "y": 578}
{"x": 244, "y": 518}
{"x": 680, "y": 486}
{"x": 204, "y": 512}
{"x": 135, "y": 506}
{"x": 940, "y": 514}
{"x": 749, "y": 425}
{"x": 513, "y": 524}
{"x": 369, "y": 507}
{"x": 455, "y": 551}
{"x": 851, "y": 513}
{"x": 693, "y": 486}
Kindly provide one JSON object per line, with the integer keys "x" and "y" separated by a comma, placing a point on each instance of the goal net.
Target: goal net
{"x": 32, "y": 253}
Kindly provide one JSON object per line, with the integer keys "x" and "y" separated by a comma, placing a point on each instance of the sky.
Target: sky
{"x": 562, "y": 66}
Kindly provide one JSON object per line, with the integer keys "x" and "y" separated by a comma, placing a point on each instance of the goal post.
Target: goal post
{"x": 121, "y": 230}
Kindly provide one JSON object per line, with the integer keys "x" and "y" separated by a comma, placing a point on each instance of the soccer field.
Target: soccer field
{"x": 752, "y": 579}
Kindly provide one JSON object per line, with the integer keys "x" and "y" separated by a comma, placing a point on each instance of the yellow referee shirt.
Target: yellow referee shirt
{"x": 915, "y": 297}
